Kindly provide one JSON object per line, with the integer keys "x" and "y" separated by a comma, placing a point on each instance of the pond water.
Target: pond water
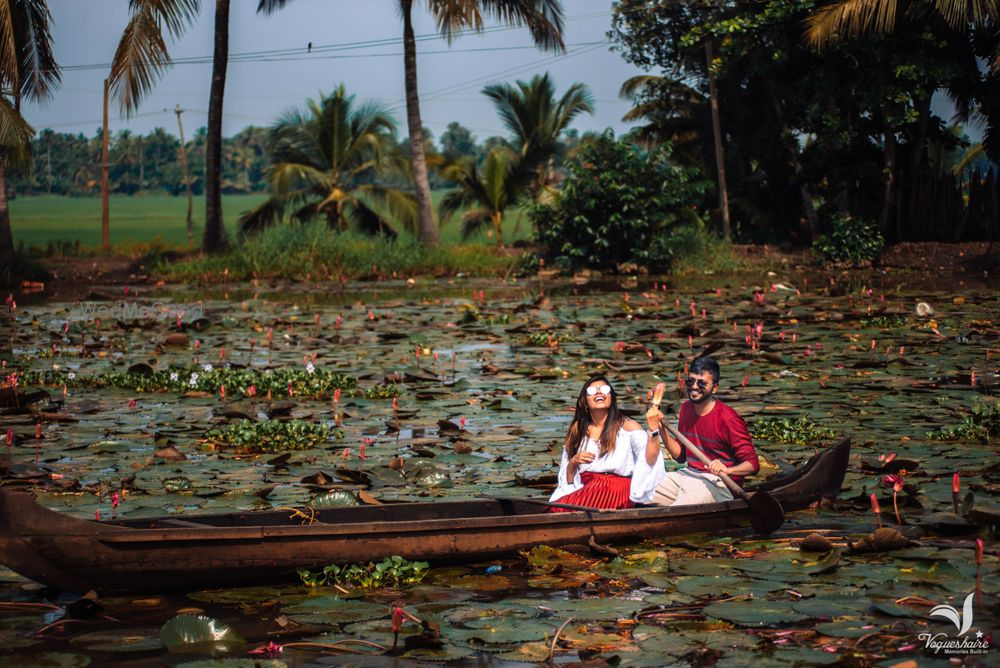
{"x": 455, "y": 388}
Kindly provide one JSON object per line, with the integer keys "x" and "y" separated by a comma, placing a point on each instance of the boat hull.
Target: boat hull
{"x": 199, "y": 551}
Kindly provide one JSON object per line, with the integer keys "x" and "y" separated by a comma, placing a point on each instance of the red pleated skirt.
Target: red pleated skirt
{"x": 600, "y": 490}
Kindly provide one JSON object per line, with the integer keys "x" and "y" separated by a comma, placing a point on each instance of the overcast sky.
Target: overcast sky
{"x": 279, "y": 73}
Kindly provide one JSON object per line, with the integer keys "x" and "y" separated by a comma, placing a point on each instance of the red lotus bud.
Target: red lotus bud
{"x": 397, "y": 619}
{"x": 875, "y": 507}
{"x": 956, "y": 483}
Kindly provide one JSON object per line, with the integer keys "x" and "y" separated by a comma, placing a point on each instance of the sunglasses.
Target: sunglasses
{"x": 594, "y": 389}
{"x": 702, "y": 384}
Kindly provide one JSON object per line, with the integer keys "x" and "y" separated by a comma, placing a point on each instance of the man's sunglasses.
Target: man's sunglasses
{"x": 702, "y": 384}
{"x": 594, "y": 389}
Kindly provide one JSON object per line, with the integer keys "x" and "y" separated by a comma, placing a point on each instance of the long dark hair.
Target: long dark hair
{"x": 581, "y": 421}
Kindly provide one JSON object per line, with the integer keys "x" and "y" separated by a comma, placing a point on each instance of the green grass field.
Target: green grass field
{"x": 37, "y": 221}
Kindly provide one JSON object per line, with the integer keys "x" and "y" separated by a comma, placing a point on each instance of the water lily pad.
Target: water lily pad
{"x": 55, "y": 660}
{"x": 244, "y": 595}
{"x": 120, "y": 640}
{"x": 335, "y": 610}
{"x": 761, "y": 613}
{"x": 198, "y": 634}
{"x": 846, "y": 628}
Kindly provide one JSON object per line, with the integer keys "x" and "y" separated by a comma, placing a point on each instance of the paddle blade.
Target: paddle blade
{"x": 766, "y": 514}
{"x": 658, "y": 393}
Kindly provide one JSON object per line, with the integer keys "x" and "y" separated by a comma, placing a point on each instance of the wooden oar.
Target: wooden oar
{"x": 766, "y": 514}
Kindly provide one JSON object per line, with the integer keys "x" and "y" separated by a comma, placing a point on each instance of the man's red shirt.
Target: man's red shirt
{"x": 722, "y": 434}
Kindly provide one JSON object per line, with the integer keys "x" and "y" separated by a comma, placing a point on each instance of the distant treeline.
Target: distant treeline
{"x": 70, "y": 164}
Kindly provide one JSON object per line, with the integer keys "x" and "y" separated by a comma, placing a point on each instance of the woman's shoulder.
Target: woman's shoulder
{"x": 631, "y": 425}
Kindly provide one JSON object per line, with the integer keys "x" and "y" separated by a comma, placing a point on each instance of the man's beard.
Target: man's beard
{"x": 705, "y": 396}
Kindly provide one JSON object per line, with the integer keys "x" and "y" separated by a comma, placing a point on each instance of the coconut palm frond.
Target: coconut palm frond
{"x": 270, "y": 6}
{"x": 286, "y": 178}
{"x": 15, "y": 136}
{"x": 544, "y": 19}
{"x": 9, "y": 70}
{"x": 142, "y": 58}
{"x": 849, "y": 19}
{"x": 267, "y": 213}
{"x": 633, "y": 86}
{"x": 473, "y": 221}
{"x": 38, "y": 71}
{"x": 367, "y": 220}
{"x": 399, "y": 206}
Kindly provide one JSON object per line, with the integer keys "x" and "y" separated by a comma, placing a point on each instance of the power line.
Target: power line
{"x": 315, "y": 52}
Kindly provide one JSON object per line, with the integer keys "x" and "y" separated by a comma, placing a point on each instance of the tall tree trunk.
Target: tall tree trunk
{"x": 105, "y": 185}
{"x": 215, "y": 240}
{"x": 498, "y": 226}
{"x": 427, "y": 230}
{"x": 916, "y": 159}
{"x": 720, "y": 162}
{"x": 6, "y": 236}
{"x": 888, "y": 163}
{"x": 792, "y": 149}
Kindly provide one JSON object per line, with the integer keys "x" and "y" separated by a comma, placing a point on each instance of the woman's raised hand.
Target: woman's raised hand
{"x": 583, "y": 457}
{"x": 653, "y": 417}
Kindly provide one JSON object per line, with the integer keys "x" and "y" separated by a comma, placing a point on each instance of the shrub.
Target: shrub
{"x": 618, "y": 206}
{"x": 851, "y": 240}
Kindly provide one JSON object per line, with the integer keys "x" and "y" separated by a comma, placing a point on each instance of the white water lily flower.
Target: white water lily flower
{"x": 194, "y": 380}
{"x": 71, "y": 375}
{"x": 310, "y": 367}
{"x": 174, "y": 376}
{"x": 207, "y": 368}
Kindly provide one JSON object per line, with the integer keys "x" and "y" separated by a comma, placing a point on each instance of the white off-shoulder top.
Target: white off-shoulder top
{"x": 628, "y": 459}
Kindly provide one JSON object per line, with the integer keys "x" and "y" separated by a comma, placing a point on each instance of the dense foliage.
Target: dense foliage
{"x": 850, "y": 240}
{"x": 70, "y": 164}
{"x": 788, "y": 430}
{"x": 394, "y": 571}
{"x": 808, "y": 135}
{"x": 272, "y": 435}
{"x": 618, "y": 205}
{"x": 981, "y": 425}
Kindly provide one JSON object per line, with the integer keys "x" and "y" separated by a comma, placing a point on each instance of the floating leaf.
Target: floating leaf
{"x": 754, "y": 613}
{"x": 120, "y": 640}
{"x": 198, "y": 634}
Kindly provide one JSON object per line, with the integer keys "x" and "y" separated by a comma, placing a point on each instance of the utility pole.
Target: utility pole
{"x": 105, "y": 187}
{"x": 717, "y": 131}
{"x": 187, "y": 177}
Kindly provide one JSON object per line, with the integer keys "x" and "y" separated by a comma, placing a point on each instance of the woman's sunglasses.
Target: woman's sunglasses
{"x": 594, "y": 389}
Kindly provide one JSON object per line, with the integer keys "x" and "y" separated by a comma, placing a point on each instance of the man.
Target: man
{"x": 716, "y": 429}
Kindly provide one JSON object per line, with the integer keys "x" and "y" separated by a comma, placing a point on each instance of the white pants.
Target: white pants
{"x": 687, "y": 486}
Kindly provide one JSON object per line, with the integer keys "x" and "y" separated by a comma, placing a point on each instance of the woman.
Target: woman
{"x": 608, "y": 461}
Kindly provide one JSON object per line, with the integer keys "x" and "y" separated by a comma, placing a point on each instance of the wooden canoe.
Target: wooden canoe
{"x": 199, "y": 551}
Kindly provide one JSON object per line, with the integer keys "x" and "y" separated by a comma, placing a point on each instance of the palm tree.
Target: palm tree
{"x": 848, "y": 19}
{"x": 542, "y": 17}
{"x": 326, "y": 161}
{"x": 28, "y": 70}
{"x": 141, "y": 60}
{"x": 535, "y": 118}
{"x": 961, "y": 23}
{"x": 486, "y": 192}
